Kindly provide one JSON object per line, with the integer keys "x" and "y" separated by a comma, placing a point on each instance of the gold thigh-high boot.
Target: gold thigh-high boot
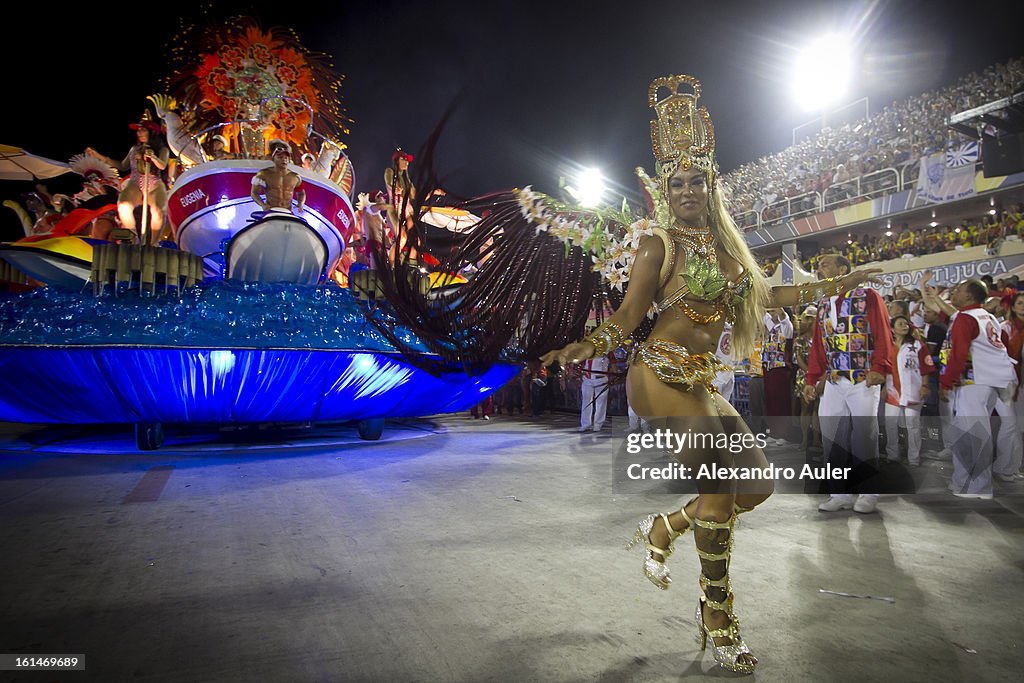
{"x": 714, "y": 545}
{"x": 655, "y": 568}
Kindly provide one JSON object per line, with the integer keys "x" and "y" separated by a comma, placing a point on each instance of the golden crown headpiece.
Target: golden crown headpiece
{"x": 682, "y": 136}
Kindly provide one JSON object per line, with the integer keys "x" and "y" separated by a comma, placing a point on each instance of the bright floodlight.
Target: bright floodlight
{"x": 591, "y": 187}
{"x": 822, "y": 72}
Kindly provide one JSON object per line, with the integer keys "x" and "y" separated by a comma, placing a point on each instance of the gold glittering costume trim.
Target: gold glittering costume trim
{"x": 683, "y": 135}
{"x": 608, "y": 337}
{"x": 674, "y": 364}
{"x": 702, "y": 277}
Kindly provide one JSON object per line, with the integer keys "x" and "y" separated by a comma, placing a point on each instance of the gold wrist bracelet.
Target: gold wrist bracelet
{"x": 607, "y": 337}
{"x": 616, "y": 335}
{"x": 599, "y": 343}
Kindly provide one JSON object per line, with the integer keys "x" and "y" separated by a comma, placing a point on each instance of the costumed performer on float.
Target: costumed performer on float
{"x": 147, "y": 158}
{"x": 401, "y": 193}
{"x": 699, "y": 273}
{"x": 277, "y": 183}
{"x": 371, "y": 214}
{"x": 399, "y": 185}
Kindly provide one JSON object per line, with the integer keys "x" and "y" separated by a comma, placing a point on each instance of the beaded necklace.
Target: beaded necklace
{"x": 702, "y": 274}
{"x": 699, "y": 240}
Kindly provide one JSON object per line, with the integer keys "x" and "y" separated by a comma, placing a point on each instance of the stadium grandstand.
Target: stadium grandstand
{"x": 938, "y": 177}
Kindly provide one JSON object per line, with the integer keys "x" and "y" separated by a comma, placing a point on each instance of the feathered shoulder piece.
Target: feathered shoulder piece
{"x": 537, "y": 269}
{"x": 610, "y": 238}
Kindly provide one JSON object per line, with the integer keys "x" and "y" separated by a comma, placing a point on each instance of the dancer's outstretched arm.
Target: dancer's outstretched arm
{"x": 811, "y": 292}
{"x": 643, "y": 286}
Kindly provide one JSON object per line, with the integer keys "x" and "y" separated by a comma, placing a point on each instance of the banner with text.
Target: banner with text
{"x": 997, "y": 267}
{"x": 943, "y": 178}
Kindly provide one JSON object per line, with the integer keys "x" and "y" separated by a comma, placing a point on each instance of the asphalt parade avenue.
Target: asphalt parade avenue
{"x": 466, "y": 550}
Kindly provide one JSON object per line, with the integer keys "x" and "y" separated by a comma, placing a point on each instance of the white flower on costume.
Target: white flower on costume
{"x": 616, "y": 278}
{"x": 616, "y": 252}
{"x": 584, "y": 234}
{"x": 637, "y": 231}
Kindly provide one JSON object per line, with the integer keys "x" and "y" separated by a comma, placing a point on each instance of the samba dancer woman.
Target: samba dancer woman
{"x": 699, "y": 273}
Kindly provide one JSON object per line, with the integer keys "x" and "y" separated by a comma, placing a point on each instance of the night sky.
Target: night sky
{"x": 541, "y": 87}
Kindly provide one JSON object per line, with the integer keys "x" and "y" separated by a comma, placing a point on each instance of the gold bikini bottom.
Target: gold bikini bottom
{"x": 673, "y": 364}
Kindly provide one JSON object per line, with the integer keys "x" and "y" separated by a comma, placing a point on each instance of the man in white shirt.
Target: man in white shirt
{"x": 594, "y": 404}
{"x": 976, "y": 374}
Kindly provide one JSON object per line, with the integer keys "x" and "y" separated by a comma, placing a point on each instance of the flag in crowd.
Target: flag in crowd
{"x": 963, "y": 155}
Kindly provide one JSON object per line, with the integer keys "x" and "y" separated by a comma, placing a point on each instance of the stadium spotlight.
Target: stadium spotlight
{"x": 590, "y": 188}
{"x": 822, "y": 71}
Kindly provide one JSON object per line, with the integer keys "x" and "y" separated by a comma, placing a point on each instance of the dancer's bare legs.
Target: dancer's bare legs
{"x": 126, "y": 213}
{"x": 718, "y": 500}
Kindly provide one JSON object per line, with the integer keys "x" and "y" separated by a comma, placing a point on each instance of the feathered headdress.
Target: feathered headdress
{"x": 92, "y": 169}
{"x": 99, "y": 177}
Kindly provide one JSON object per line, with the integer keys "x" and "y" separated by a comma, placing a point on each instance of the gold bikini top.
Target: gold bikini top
{"x": 702, "y": 276}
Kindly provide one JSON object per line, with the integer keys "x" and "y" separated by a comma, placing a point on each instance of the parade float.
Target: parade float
{"x": 240, "y": 320}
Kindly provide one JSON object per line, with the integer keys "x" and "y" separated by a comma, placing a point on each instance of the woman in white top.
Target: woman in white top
{"x": 906, "y": 390}
{"x": 1013, "y": 326}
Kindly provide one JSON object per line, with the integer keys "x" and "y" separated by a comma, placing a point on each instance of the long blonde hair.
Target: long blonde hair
{"x": 751, "y": 309}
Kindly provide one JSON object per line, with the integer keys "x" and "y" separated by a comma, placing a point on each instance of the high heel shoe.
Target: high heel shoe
{"x": 656, "y": 570}
{"x": 727, "y": 656}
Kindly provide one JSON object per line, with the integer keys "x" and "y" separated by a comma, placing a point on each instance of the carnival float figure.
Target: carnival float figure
{"x": 399, "y": 185}
{"x": 275, "y": 187}
{"x": 238, "y": 91}
{"x": 145, "y": 162}
{"x": 45, "y": 216}
{"x": 687, "y": 265}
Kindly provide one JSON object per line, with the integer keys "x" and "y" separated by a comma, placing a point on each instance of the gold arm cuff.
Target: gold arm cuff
{"x": 814, "y": 292}
{"x": 599, "y": 343}
{"x": 607, "y": 337}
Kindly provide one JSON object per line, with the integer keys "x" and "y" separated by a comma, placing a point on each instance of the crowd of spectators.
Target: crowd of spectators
{"x": 841, "y": 164}
{"x": 928, "y": 324}
{"x": 906, "y": 241}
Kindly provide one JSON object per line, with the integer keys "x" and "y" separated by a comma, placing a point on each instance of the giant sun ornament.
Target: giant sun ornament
{"x": 254, "y": 68}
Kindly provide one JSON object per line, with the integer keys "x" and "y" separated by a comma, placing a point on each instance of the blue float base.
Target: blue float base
{"x": 91, "y": 385}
